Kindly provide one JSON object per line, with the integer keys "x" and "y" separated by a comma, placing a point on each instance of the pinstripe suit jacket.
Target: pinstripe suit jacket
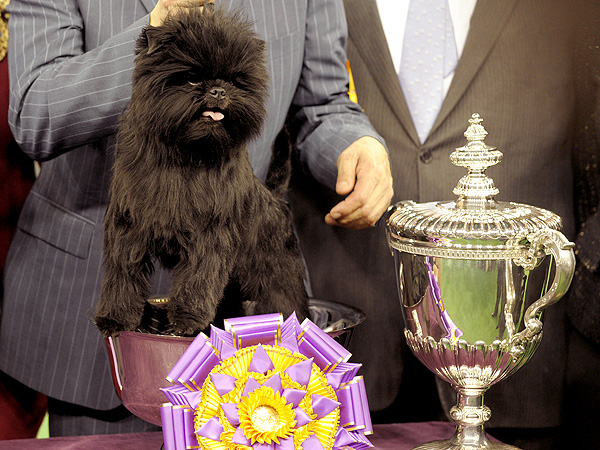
{"x": 515, "y": 71}
{"x": 71, "y": 67}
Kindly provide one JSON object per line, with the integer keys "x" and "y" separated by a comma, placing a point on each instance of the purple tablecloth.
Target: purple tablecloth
{"x": 399, "y": 436}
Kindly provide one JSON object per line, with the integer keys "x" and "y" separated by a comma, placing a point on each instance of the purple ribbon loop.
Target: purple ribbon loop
{"x": 344, "y": 396}
{"x": 223, "y": 342}
{"x": 192, "y": 399}
{"x": 293, "y": 396}
{"x": 176, "y": 394}
{"x": 251, "y": 385}
{"x": 342, "y": 373}
{"x": 188, "y": 428}
{"x": 179, "y": 423}
{"x": 361, "y": 442}
{"x": 224, "y": 384}
{"x": 231, "y": 412}
{"x": 342, "y": 438}
{"x": 300, "y": 372}
{"x": 274, "y": 383}
{"x": 291, "y": 328}
{"x": 335, "y": 380}
{"x": 212, "y": 429}
{"x": 322, "y": 405}
{"x": 197, "y": 374}
{"x": 260, "y": 363}
{"x": 274, "y": 320}
{"x": 188, "y": 357}
{"x": 312, "y": 443}
{"x": 286, "y": 444}
{"x": 302, "y": 418}
{"x": 169, "y": 431}
{"x": 290, "y": 343}
{"x": 354, "y": 409}
{"x": 307, "y": 348}
{"x": 327, "y": 349}
{"x": 239, "y": 438}
{"x": 252, "y": 330}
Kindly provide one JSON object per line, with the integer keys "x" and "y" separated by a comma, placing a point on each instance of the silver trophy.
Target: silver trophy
{"x": 474, "y": 276}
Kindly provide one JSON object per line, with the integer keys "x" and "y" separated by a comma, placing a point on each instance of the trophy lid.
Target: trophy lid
{"x": 474, "y": 225}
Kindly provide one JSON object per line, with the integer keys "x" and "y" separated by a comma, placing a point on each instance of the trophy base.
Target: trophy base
{"x": 449, "y": 444}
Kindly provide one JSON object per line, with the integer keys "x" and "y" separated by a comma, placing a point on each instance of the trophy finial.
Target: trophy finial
{"x": 475, "y": 131}
{"x": 475, "y": 190}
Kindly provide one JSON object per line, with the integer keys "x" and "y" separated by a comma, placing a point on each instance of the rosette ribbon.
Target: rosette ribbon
{"x": 263, "y": 383}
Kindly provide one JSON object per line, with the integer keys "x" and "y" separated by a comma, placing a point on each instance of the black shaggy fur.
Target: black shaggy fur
{"x": 183, "y": 190}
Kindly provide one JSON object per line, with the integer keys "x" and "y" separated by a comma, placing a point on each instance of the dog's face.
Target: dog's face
{"x": 201, "y": 80}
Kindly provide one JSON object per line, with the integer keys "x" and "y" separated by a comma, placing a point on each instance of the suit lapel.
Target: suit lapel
{"x": 489, "y": 18}
{"x": 149, "y": 4}
{"x": 366, "y": 32}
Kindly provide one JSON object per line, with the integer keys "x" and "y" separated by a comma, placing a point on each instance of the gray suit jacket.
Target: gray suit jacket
{"x": 71, "y": 66}
{"x": 515, "y": 72}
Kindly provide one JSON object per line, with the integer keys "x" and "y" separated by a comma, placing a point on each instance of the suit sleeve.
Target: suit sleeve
{"x": 328, "y": 121}
{"x": 63, "y": 97}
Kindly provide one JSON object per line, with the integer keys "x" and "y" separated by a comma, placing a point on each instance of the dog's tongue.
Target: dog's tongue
{"x": 214, "y": 115}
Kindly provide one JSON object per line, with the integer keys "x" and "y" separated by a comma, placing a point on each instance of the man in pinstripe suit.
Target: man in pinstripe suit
{"x": 71, "y": 66}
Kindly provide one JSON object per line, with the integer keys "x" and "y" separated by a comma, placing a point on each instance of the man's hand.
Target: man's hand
{"x": 162, "y": 8}
{"x": 364, "y": 175}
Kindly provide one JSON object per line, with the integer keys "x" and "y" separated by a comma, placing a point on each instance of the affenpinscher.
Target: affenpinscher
{"x": 183, "y": 191}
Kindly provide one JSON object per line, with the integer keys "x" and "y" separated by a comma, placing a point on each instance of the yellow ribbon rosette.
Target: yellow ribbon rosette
{"x": 266, "y": 384}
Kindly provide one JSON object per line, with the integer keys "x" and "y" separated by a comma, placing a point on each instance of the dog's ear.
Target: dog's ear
{"x": 154, "y": 38}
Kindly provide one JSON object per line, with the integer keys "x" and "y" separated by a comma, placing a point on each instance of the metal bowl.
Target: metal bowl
{"x": 140, "y": 361}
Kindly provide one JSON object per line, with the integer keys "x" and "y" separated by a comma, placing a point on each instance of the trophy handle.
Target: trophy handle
{"x": 388, "y": 216}
{"x": 545, "y": 242}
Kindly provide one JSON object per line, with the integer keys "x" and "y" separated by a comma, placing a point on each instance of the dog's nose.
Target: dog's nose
{"x": 217, "y": 92}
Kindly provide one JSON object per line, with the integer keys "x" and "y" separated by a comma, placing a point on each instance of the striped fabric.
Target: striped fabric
{"x": 71, "y": 64}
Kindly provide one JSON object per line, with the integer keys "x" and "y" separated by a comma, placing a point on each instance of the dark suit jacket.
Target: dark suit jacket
{"x": 71, "y": 66}
{"x": 515, "y": 72}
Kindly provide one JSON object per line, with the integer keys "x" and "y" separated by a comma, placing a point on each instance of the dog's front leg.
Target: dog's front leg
{"x": 198, "y": 286}
{"x": 272, "y": 269}
{"x": 125, "y": 287}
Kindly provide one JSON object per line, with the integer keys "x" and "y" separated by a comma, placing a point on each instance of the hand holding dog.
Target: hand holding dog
{"x": 364, "y": 175}
{"x": 162, "y": 8}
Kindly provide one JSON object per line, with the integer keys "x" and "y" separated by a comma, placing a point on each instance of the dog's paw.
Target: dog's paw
{"x": 186, "y": 324}
{"x": 110, "y": 327}
{"x": 190, "y": 330}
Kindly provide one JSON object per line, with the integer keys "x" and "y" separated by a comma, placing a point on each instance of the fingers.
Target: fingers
{"x": 163, "y": 7}
{"x": 364, "y": 174}
{"x": 347, "y": 165}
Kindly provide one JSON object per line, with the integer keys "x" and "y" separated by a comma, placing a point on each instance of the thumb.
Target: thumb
{"x": 346, "y": 164}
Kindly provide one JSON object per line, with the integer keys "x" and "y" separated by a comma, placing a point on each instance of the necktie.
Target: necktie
{"x": 428, "y": 55}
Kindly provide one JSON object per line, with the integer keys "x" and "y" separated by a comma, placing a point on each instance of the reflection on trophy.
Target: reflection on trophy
{"x": 474, "y": 276}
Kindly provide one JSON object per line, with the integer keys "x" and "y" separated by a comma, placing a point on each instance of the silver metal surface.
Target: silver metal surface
{"x": 141, "y": 361}
{"x": 451, "y": 444}
{"x": 474, "y": 276}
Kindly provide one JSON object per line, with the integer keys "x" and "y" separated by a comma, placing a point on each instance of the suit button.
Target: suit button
{"x": 425, "y": 156}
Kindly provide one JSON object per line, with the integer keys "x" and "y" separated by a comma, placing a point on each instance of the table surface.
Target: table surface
{"x": 399, "y": 436}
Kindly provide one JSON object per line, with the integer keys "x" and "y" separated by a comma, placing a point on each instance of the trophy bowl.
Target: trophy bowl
{"x": 474, "y": 276}
{"x": 141, "y": 360}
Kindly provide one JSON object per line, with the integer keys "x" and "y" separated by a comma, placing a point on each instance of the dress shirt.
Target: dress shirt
{"x": 393, "y": 14}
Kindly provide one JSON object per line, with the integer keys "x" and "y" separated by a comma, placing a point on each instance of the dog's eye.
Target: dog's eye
{"x": 192, "y": 83}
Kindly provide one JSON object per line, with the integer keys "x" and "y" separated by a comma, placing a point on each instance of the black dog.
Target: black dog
{"x": 183, "y": 190}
